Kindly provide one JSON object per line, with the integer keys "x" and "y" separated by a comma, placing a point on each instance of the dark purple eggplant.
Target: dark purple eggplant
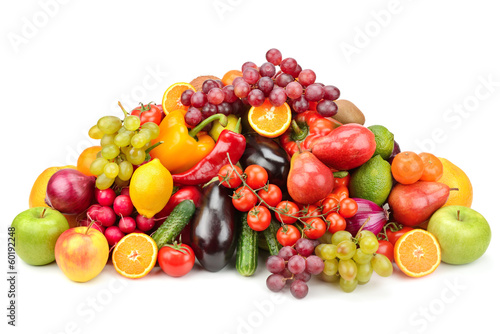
{"x": 267, "y": 153}
{"x": 213, "y": 231}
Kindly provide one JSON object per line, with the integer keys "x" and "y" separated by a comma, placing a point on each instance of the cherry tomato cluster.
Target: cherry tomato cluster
{"x": 258, "y": 198}
{"x": 409, "y": 167}
{"x": 246, "y": 197}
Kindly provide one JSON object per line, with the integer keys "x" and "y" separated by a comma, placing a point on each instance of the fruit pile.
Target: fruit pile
{"x": 265, "y": 159}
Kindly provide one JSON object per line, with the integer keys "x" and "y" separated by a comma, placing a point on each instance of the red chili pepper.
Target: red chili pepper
{"x": 206, "y": 169}
{"x": 306, "y": 128}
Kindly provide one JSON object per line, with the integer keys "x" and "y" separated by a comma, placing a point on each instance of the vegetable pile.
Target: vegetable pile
{"x": 265, "y": 159}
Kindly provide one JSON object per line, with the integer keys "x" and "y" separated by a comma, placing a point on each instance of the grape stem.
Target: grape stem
{"x": 123, "y": 109}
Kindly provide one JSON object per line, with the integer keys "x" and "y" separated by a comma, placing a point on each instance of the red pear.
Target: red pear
{"x": 347, "y": 147}
{"x": 309, "y": 180}
{"x": 412, "y": 204}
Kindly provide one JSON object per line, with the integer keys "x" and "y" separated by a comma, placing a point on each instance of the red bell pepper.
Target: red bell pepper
{"x": 306, "y": 128}
{"x": 206, "y": 169}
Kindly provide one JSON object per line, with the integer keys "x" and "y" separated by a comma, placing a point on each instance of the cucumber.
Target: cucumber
{"x": 246, "y": 249}
{"x": 270, "y": 236}
{"x": 175, "y": 222}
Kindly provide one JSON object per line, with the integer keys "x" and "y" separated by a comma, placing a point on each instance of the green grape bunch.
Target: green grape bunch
{"x": 352, "y": 260}
{"x": 124, "y": 143}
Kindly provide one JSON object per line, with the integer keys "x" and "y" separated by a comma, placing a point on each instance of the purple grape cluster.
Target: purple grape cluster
{"x": 289, "y": 84}
{"x": 296, "y": 265}
{"x": 214, "y": 98}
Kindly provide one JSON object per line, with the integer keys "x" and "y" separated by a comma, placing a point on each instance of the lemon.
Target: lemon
{"x": 150, "y": 188}
{"x": 384, "y": 139}
{"x": 372, "y": 181}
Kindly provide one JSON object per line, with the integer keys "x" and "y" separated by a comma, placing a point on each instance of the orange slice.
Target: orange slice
{"x": 268, "y": 120}
{"x": 417, "y": 253}
{"x": 172, "y": 97}
{"x": 135, "y": 255}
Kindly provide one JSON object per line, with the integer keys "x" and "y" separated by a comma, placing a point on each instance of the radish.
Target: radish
{"x": 113, "y": 235}
{"x": 127, "y": 225}
{"x": 123, "y": 206}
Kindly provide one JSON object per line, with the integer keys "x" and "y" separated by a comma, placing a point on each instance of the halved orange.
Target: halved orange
{"x": 268, "y": 120}
{"x": 417, "y": 253}
{"x": 172, "y": 97}
{"x": 135, "y": 255}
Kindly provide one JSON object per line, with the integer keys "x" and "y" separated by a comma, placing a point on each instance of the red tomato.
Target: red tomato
{"x": 183, "y": 193}
{"x": 386, "y": 248}
{"x": 330, "y": 204}
{"x": 336, "y": 221}
{"x": 256, "y": 176}
{"x": 341, "y": 181}
{"x": 228, "y": 176}
{"x": 176, "y": 260}
{"x": 288, "y": 235}
{"x": 348, "y": 207}
{"x": 289, "y": 208}
{"x": 314, "y": 228}
{"x": 311, "y": 210}
{"x": 272, "y": 196}
{"x": 339, "y": 193}
{"x": 148, "y": 113}
{"x": 259, "y": 218}
{"x": 394, "y": 236}
{"x": 244, "y": 199}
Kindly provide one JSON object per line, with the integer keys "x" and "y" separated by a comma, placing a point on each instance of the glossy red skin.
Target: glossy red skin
{"x": 151, "y": 113}
{"x": 413, "y": 204}
{"x": 386, "y": 248}
{"x": 185, "y": 192}
{"x": 315, "y": 125}
{"x": 208, "y": 168}
{"x": 394, "y": 236}
{"x": 174, "y": 262}
{"x": 309, "y": 180}
{"x": 347, "y": 147}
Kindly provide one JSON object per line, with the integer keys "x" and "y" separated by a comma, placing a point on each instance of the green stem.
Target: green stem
{"x": 237, "y": 126}
{"x": 153, "y": 147}
{"x": 222, "y": 120}
{"x": 123, "y": 109}
{"x": 298, "y": 133}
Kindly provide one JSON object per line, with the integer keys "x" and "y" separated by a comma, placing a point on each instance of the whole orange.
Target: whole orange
{"x": 86, "y": 158}
{"x": 454, "y": 177}
{"x": 37, "y": 194}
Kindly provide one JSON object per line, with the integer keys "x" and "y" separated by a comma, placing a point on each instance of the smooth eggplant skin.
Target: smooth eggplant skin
{"x": 213, "y": 231}
{"x": 267, "y": 153}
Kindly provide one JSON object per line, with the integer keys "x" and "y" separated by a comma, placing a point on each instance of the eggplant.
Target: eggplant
{"x": 266, "y": 153}
{"x": 213, "y": 231}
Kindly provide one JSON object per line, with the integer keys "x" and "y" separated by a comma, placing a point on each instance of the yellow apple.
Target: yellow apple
{"x": 81, "y": 253}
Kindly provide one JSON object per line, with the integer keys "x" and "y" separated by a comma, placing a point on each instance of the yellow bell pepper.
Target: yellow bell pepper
{"x": 182, "y": 149}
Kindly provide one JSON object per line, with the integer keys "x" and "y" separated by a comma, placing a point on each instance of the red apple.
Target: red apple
{"x": 81, "y": 253}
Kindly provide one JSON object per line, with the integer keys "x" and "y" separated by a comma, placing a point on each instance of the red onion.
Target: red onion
{"x": 69, "y": 191}
{"x": 369, "y": 212}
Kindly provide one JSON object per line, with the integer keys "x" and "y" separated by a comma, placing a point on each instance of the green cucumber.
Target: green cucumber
{"x": 270, "y": 236}
{"x": 175, "y": 222}
{"x": 246, "y": 249}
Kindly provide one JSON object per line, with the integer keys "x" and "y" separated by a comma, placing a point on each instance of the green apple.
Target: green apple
{"x": 463, "y": 233}
{"x": 36, "y": 233}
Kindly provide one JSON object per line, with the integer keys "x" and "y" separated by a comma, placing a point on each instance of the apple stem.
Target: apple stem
{"x": 458, "y": 214}
{"x": 90, "y": 225}
{"x": 454, "y": 189}
{"x": 43, "y": 212}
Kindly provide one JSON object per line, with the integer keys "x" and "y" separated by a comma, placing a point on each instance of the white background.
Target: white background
{"x": 412, "y": 66}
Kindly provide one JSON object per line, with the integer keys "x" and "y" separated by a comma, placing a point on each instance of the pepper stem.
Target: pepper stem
{"x": 222, "y": 120}
{"x": 153, "y": 147}
{"x": 237, "y": 126}
{"x": 298, "y": 133}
